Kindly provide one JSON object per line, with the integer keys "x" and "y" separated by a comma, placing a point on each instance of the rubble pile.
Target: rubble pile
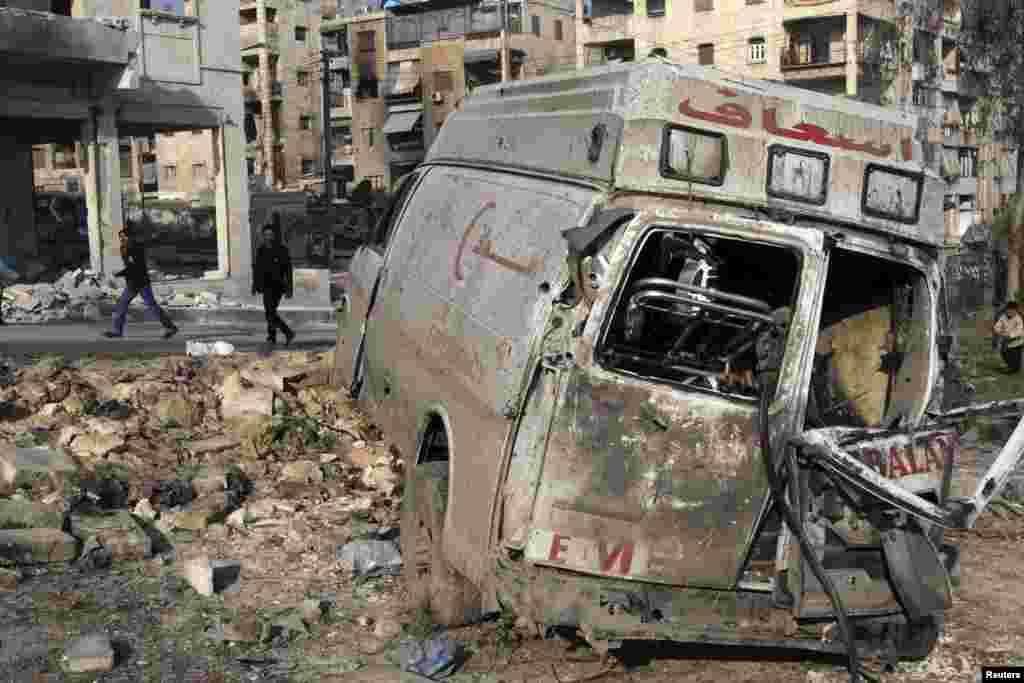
{"x": 79, "y": 295}
{"x": 249, "y": 477}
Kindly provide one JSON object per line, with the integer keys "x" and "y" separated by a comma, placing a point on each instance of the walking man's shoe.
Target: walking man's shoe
{"x": 112, "y": 335}
{"x": 288, "y": 336}
{"x": 170, "y": 332}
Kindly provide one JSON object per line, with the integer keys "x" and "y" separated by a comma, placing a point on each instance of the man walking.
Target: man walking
{"x": 272, "y": 277}
{"x": 136, "y": 275}
{"x": 1010, "y": 327}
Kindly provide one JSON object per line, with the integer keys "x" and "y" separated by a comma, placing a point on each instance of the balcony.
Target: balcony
{"x": 817, "y": 61}
{"x": 341, "y": 104}
{"x": 415, "y": 29}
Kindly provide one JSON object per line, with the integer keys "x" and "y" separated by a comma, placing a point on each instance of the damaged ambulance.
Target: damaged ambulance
{"x": 664, "y": 355}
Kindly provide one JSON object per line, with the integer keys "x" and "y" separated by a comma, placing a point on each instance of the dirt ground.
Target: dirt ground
{"x": 163, "y": 630}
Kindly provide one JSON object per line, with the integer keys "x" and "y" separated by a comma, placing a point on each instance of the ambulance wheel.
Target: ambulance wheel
{"x": 431, "y": 581}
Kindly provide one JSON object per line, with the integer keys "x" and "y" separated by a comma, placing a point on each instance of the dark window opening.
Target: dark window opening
{"x": 558, "y": 29}
{"x": 300, "y": 34}
{"x": 694, "y": 307}
{"x": 872, "y": 354}
{"x": 655, "y": 8}
{"x": 706, "y": 54}
{"x": 535, "y": 25}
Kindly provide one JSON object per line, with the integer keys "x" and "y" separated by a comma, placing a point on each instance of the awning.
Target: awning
{"x": 401, "y": 122}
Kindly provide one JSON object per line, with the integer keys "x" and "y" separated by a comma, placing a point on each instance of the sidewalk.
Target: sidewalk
{"x": 297, "y": 316}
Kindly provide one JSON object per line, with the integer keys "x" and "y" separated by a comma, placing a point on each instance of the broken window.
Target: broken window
{"x": 872, "y": 356}
{"x": 694, "y": 307}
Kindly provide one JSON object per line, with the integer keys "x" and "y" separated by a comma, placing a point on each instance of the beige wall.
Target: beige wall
{"x": 190, "y": 155}
{"x": 447, "y": 56}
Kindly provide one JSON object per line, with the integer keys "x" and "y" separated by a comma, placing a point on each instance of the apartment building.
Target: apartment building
{"x": 401, "y": 69}
{"x": 892, "y": 52}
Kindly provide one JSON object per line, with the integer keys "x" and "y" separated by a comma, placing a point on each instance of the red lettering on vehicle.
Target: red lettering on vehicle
{"x": 557, "y": 548}
{"x": 897, "y": 465}
{"x": 622, "y": 553}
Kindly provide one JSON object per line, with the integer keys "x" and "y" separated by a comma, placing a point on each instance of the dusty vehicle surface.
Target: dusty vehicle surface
{"x": 664, "y": 353}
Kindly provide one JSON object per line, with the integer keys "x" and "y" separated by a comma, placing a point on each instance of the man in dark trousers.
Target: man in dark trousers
{"x": 272, "y": 277}
{"x": 136, "y": 275}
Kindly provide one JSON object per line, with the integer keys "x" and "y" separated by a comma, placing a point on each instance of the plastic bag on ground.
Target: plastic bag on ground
{"x": 434, "y": 658}
{"x": 219, "y": 348}
{"x": 371, "y": 558}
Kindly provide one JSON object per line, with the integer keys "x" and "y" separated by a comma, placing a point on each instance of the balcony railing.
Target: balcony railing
{"x": 412, "y": 30}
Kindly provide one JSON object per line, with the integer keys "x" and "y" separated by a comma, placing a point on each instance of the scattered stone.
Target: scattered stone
{"x": 107, "y": 494}
{"x": 236, "y": 519}
{"x": 37, "y": 546}
{"x": 369, "y": 645}
{"x": 180, "y": 410}
{"x": 311, "y": 611}
{"x": 387, "y": 629}
{"x": 116, "y": 531}
{"x": 370, "y": 558}
{"x": 113, "y": 409}
{"x": 96, "y": 444}
{"x": 237, "y": 401}
{"x": 275, "y": 380}
{"x": 144, "y": 509}
{"x": 245, "y": 629}
{"x": 23, "y": 515}
{"x": 213, "y": 481}
{"x": 93, "y": 652}
{"x": 175, "y": 493}
{"x": 51, "y": 410}
{"x": 303, "y": 472}
{"x": 208, "y": 577}
{"x": 214, "y": 444}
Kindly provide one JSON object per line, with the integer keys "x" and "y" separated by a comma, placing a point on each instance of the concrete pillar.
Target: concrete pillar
{"x": 581, "y": 30}
{"x": 852, "y": 58}
{"x": 267, "y": 106}
{"x": 18, "y": 236}
{"x": 102, "y": 180}
{"x": 234, "y": 233}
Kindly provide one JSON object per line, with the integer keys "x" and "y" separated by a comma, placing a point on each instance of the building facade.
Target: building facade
{"x": 398, "y": 72}
{"x": 896, "y": 53}
{"x": 85, "y": 78}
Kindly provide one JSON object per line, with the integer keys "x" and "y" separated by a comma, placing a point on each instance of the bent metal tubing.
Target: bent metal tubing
{"x": 957, "y": 513}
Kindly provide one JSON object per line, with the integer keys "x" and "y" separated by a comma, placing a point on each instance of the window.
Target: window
{"x": 306, "y": 122}
{"x": 170, "y": 172}
{"x": 367, "y": 42}
{"x": 302, "y": 78}
{"x": 558, "y": 29}
{"x": 655, "y": 8}
{"x": 245, "y": 78}
{"x": 950, "y": 131}
{"x": 703, "y": 5}
{"x": 535, "y": 25}
{"x": 691, "y": 154}
{"x": 691, "y": 339}
{"x": 199, "y": 173}
{"x": 968, "y": 163}
{"x": 891, "y": 193}
{"x": 300, "y": 34}
{"x": 308, "y": 167}
{"x": 250, "y": 166}
{"x": 176, "y": 7}
{"x": 125, "y": 160}
{"x": 797, "y": 174}
{"x": 38, "y": 157}
{"x": 706, "y": 54}
{"x": 368, "y": 133}
{"x": 758, "y": 51}
{"x": 922, "y": 98}
{"x": 385, "y": 228}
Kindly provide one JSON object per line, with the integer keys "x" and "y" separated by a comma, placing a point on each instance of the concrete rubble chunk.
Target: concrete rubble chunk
{"x": 54, "y": 463}
{"x": 214, "y": 444}
{"x": 96, "y": 445}
{"x": 180, "y": 410}
{"x": 213, "y": 480}
{"x": 116, "y": 531}
{"x": 24, "y": 515}
{"x": 239, "y": 401}
{"x": 303, "y": 472}
{"x": 276, "y": 379}
{"x": 88, "y": 653}
{"x": 8, "y": 580}
{"x": 208, "y": 577}
{"x": 37, "y": 546}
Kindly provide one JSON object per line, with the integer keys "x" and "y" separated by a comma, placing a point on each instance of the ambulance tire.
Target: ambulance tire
{"x": 432, "y": 582}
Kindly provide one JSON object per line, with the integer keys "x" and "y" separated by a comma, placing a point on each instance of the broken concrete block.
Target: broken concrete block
{"x": 116, "y": 531}
{"x": 37, "y": 546}
{"x": 8, "y": 580}
{"x": 208, "y": 577}
{"x": 24, "y": 515}
{"x": 387, "y": 629}
{"x": 302, "y": 471}
{"x": 214, "y": 444}
{"x": 214, "y": 480}
{"x": 96, "y": 445}
{"x": 180, "y": 410}
{"x": 93, "y": 652}
{"x": 144, "y": 509}
{"x": 279, "y": 380}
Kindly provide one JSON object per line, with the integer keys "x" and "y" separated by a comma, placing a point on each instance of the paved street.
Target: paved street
{"x": 76, "y": 339}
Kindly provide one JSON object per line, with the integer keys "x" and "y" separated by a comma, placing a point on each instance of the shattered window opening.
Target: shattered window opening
{"x": 694, "y": 307}
{"x": 872, "y": 360}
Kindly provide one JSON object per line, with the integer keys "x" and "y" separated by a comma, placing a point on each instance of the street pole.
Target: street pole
{"x": 506, "y": 66}
{"x": 327, "y": 151}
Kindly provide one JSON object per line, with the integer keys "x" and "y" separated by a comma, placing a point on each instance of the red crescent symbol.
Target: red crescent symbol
{"x": 457, "y": 266}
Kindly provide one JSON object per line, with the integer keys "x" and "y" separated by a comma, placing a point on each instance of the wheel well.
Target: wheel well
{"x": 434, "y": 446}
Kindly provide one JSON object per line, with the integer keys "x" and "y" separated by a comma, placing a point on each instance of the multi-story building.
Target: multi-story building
{"x": 893, "y": 52}
{"x": 399, "y": 72}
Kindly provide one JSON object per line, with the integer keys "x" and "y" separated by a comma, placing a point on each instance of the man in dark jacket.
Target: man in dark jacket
{"x": 272, "y": 277}
{"x": 136, "y": 275}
